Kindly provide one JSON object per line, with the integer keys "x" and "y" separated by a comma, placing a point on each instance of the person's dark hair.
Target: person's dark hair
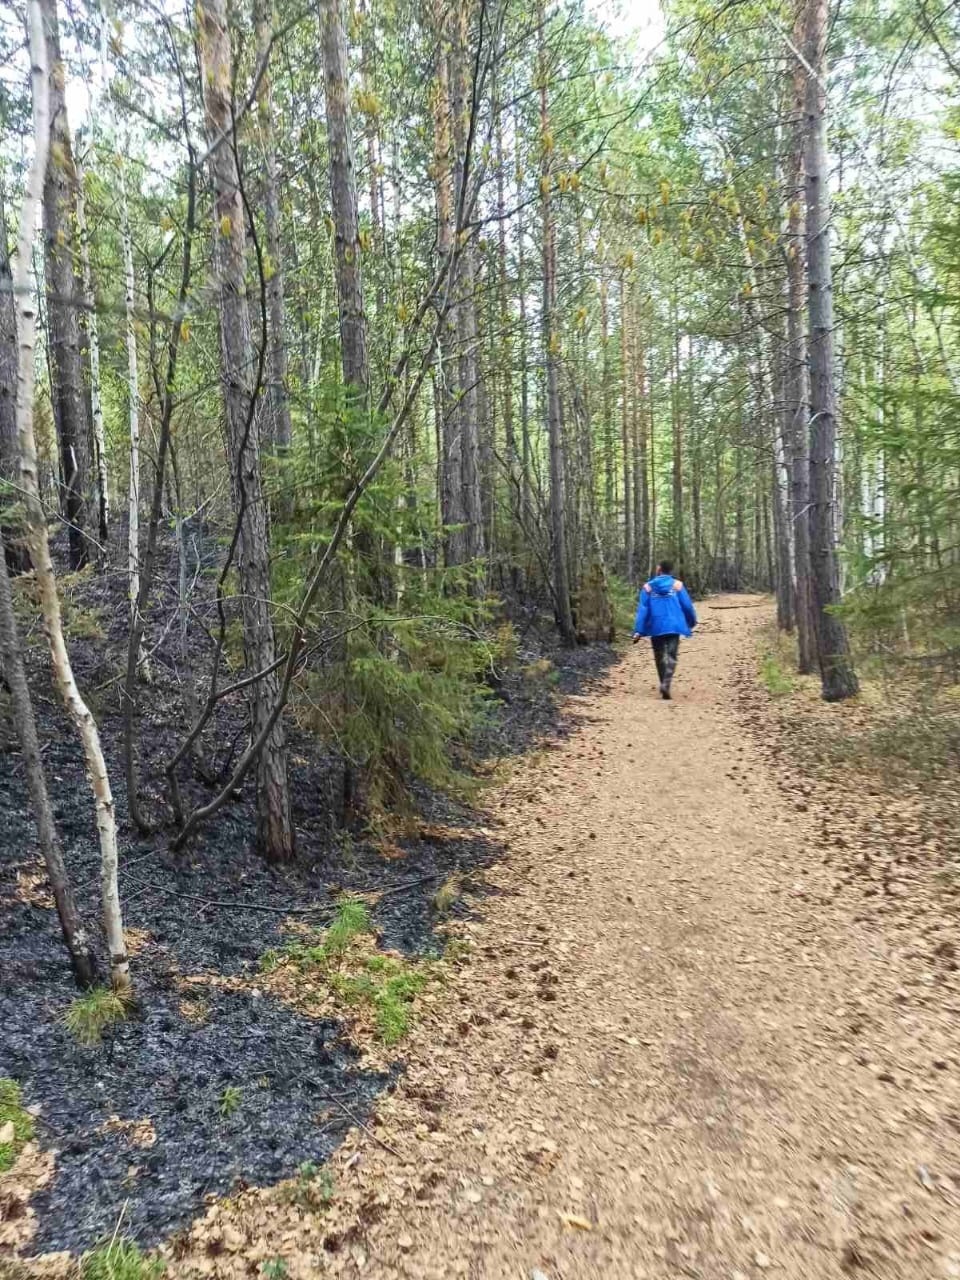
{"x": 666, "y": 566}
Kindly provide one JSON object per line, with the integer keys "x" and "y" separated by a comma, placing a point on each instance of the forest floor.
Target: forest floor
{"x": 703, "y": 1022}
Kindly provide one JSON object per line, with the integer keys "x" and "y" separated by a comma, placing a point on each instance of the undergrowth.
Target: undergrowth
{"x": 380, "y": 985}
{"x": 776, "y": 681}
{"x": 16, "y": 1123}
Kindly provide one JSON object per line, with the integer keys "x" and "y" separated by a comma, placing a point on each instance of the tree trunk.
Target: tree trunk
{"x": 470, "y": 388}
{"x": 279, "y": 430}
{"x": 101, "y": 480}
{"x": 838, "y": 679}
{"x": 42, "y": 74}
{"x": 133, "y": 413}
{"x": 64, "y": 291}
{"x": 797, "y": 397}
{"x": 9, "y": 448}
{"x": 452, "y": 498}
{"x": 75, "y": 935}
{"x": 343, "y": 202}
{"x": 275, "y": 836}
{"x": 627, "y": 385}
{"x": 551, "y": 342}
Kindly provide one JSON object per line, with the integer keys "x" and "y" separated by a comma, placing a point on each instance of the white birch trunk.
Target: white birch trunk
{"x": 93, "y": 339}
{"x": 37, "y": 541}
{"x": 133, "y": 397}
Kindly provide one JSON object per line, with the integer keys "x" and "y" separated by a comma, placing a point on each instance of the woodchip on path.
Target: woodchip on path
{"x": 653, "y": 1074}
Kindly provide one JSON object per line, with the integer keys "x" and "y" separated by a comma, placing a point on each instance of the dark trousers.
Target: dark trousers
{"x": 665, "y": 650}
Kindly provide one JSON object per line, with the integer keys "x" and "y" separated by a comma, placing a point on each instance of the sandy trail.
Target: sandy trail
{"x": 678, "y": 1055}
{"x": 704, "y": 1113}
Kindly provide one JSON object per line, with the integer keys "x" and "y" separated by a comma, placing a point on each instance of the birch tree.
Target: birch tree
{"x": 37, "y": 539}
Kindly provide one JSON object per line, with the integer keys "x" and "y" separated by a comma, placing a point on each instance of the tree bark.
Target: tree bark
{"x": 627, "y": 386}
{"x": 343, "y": 201}
{"x": 797, "y": 396}
{"x": 82, "y": 959}
{"x": 452, "y": 496}
{"x": 37, "y": 541}
{"x": 64, "y": 291}
{"x": 279, "y": 429}
{"x": 275, "y": 835}
{"x": 551, "y": 343}
{"x": 469, "y": 388}
{"x": 99, "y": 439}
{"x": 9, "y": 449}
{"x": 837, "y": 676}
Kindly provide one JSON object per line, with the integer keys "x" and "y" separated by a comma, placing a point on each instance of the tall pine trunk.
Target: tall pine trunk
{"x": 551, "y": 343}
{"x": 64, "y": 291}
{"x": 838, "y": 679}
{"x": 452, "y": 498}
{"x": 275, "y": 835}
{"x": 471, "y": 392}
{"x": 278, "y": 426}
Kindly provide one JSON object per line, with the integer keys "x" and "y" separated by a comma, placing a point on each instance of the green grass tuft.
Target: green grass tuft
{"x": 12, "y": 1112}
{"x": 230, "y": 1101}
{"x": 119, "y": 1259}
{"x": 91, "y": 1014}
{"x": 776, "y": 681}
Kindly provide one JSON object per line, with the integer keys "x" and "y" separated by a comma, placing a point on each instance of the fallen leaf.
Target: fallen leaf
{"x": 574, "y": 1220}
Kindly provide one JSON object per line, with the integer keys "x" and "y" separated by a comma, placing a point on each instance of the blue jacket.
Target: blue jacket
{"x": 664, "y": 608}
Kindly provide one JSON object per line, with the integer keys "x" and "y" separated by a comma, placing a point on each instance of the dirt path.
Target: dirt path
{"x": 677, "y": 1056}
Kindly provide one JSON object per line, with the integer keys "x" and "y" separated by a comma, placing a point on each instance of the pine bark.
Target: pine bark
{"x": 837, "y": 676}
{"x": 64, "y": 289}
{"x": 470, "y": 389}
{"x": 343, "y": 201}
{"x": 551, "y": 343}
{"x": 452, "y": 497}
{"x": 278, "y": 424}
{"x": 275, "y": 835}
{"x": 797, "y": 387}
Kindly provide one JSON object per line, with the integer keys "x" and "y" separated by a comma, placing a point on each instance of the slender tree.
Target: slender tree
{"x": 64, "y": 288}
{"x": 37, "y": 539}
{"x": 838, "y": 680}
{"x": 275, "y": 835}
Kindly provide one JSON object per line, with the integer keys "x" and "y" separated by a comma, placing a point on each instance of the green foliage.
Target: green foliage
{"x": 274, "y": 1269}
{"x": 313, "y": 1188}
{"x": 93, "y": 1013}
{"x": 623, "y": 596}
{"x": 388, "y": 986}
{"x": 13, "y": 1112}
{"x": 776, "y": 681}
{"x": 230, "y": 1100}
{"x": 351, "y": 920}
{"x": 119, "y": 1259}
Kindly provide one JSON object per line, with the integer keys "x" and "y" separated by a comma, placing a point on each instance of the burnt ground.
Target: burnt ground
{"x": 215, "y": 909}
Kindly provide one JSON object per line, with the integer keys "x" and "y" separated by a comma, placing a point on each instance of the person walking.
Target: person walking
{"x": 665, "y": 612}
